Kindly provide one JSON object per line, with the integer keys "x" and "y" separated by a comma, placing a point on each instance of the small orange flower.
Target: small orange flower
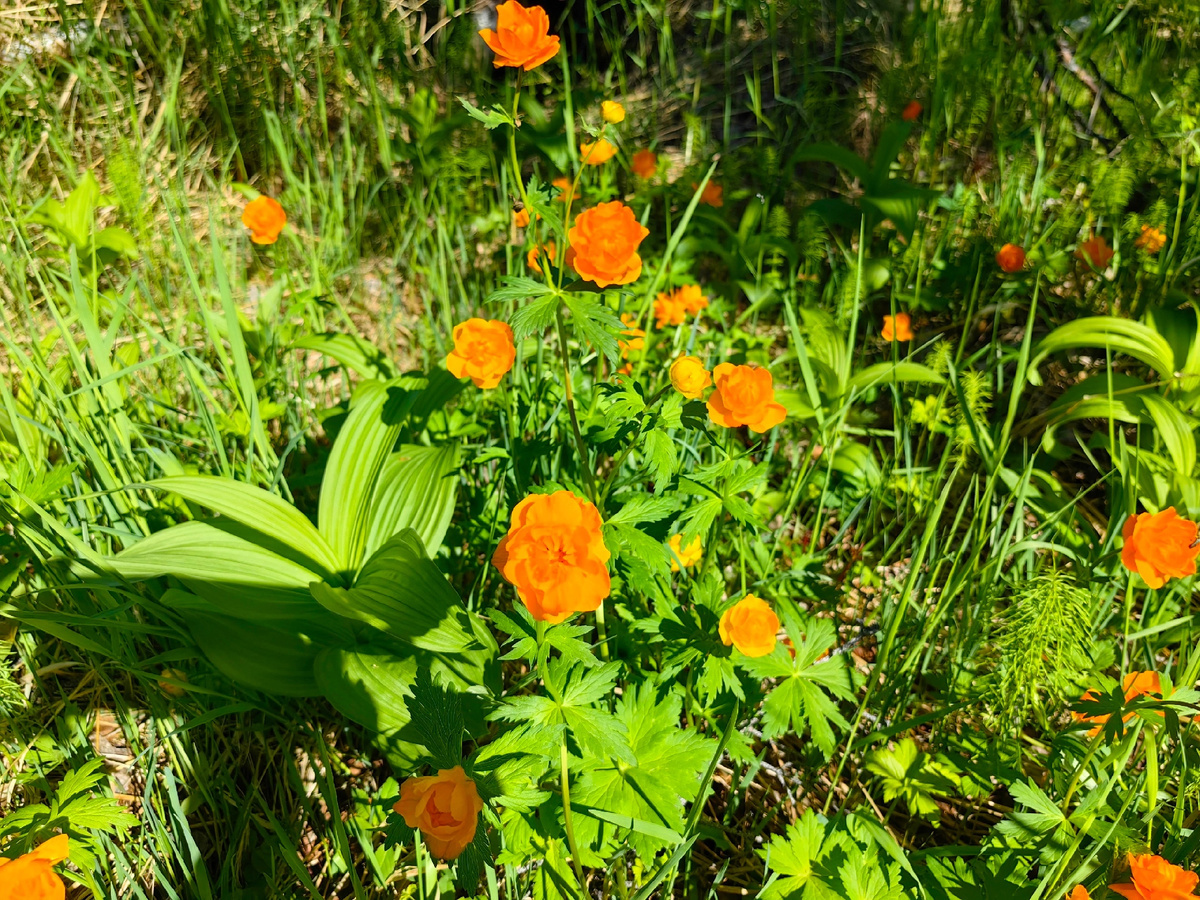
{"x": 596, "y": 153}
{"x": 265, "y": 218}
{"x": 445, "y": 807}
{"x": 626, "y": 369}
{"x": 897, "y": 328}
{"x": 1011, "y": 258}
{"x": 668, "y": 310}
{"x": 1151, "y": 239}
{"x": 636, "y": 337}
{"x": 912, "y": 111}
{"x": 1079, "y": 893}
{"x": 613, "y": 112}
{"x": 520, "y": 217}
{"x": 691, "y": 299}
{"x": 32, "y": 876}
{"x": 483, "y": 351}
{"x": 745, "y": 395}
{"x": 750, "y": 625}
{"x": 689, "y": 377}
{"x": 563, "y": 183}
{"x": 713, "y": 194}
{"x": 1159, "y": 546}
{"x": 1135, "y": 684}
{"x": 1156, "y": 879}
{"x": 689, "y": 555}
{"x": 554, "y": 555}
{"x": 522, "y": 37}
{"x": 1095, "y": 252}
{"x": 644, "y": 163}
{"x": 533, "y": 257}
{"x": 605, "y": 240}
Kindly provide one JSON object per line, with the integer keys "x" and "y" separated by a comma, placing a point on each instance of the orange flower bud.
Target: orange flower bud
{"x": 1159, "y": 546}
{"x": 445, "y": 807}
{"x": 554, "y": 555}
{"x": 522, "y": 37}
{"x": 897, "y": 327}
{"x": 605, "y": 240}
{"x": 912, "y": 111}
{"x": 689, "y": 377}
{"x": 750, "y": 625}
{"x": 483, "y": 351}
{"x": 1151, "y": 239}
{"x": 32, "y": 876}
{"x": 265, "y": 218}
{"x": 1135, "y": 684}
{"x": 745, "y": 395}
{"x": 1156, "y": 879}
{"x": 597, "y": 153}
{"x": 613, "y": 112}
{"x": 644, "y": 163}
{"x": 689, "y": 555}
{"x": 713, "y": 194}
{"x": 533, "y": 257}
{"x": 1079, "y": 893}
{"x": 1095, "y": 252}
{"x": 1011, "y": 258}
{"x": 520, "y": 217}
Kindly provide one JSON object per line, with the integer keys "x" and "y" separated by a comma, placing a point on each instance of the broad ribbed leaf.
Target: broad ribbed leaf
{"x": 1106, "y": 332}
{"x": 1175, "y": 429}
{"x": 377, "y": 413}
{"x": 352, "y": 352}
{"x": 402, "y": 593}
{"x": 264, "y": 658}
{"x": 887, "y": 373}
{"x": 368, "y": 684}
{"x": 416, "y": 489}
{"x": 260, "y": 510}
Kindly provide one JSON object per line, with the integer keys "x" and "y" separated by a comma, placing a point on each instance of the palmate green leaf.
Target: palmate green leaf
{"x": 635, "y": 543}
{"x": 351, "y": 351}
{"x": 595, "y": 324}
{"x": 272, "y": 517}
{"x": 912, "y": 775}
{"x": 517, "y": 288}
{"x": 378, "y": 410}
{"x": 661, "y": 457}
{"x": 1106, "y": 332}
{"x": 534, "y": 317}
{"x": 639, "y": 508}
{"x": 416, "y": 489}
{"x": 670, "y": 761}
{"x": 493, "y": 118}
{"x": 554, "y": 878}
{"x": 508, "y": 770}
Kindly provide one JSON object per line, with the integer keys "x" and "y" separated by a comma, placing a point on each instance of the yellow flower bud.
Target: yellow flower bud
{"x": 612, "y": 111}
{"x": 690, "y": 377}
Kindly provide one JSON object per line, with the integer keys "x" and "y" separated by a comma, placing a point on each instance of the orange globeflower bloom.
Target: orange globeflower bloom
{"x": 690, "y": 298}
{"x": 554, "y": 555}
{"x": 265, "y": 218}
{"x": 483, "y": 351}
{"x": 533, "y": 257}
{"x": 1151, "y": 239}
{"x": 1156, "y": 879}
{"x": 689, "y": 555}
{"x": 605, "y": 240}
{"x": 750, "y": 625}
{"x": 644, "y": 163}
{"x": 1079, "y": 893}
{"x": 1159, "y": 546}
{"x": 911, "y": 111}
{"x": 897, "y": 327}
{"x": 445, "y": 807}
{"x": 522, "y": 37}
{"x": 1135, "y": 684}
{"x": 636, "y": 336}
{"x": 668, "y": 310}
{"x": 520, "y": 217}
{"x": 612, "y": 111}
{"x": 32, "y": 876}
{"x": 713, "y": 194}
{"x": 1095, "y": 252}
{"x": 689, "y": 376}
{"x": 563, "y": 183}
{"x": 745, "y": 395}
{"x": 597, "y": 153}
{"x": 1011, "y": 258}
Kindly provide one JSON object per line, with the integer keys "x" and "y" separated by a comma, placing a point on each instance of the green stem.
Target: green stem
{"x": 1091, "y": 751}
{"x": 512, "y": 143}
{"x": 1151, "y": 782}
{"x": 584, "y": 462}
{"x": 568, "y": 821}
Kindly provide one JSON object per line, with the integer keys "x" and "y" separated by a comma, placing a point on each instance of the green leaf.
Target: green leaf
{"x": 595, "y": 324}
{"x": 841, "y": 157}
{"x": 377, "y": 413}
{"x": 639, "y": 508}
{"x": 534, "y": 317}
{"x": 402, "y": 593}
{"x": 661, "y": 456}
{"x": 1106, "y": 332}
{"x": 416, "y": 489}
{"x": 269, "y": 515}
{"x": 516, "y": 288}
{"x": 351, "y": 351}
{"x": 912, "y": 775}
{"x": 1175, "y": 428}
{"x": 900, "y": 202}
{"x": 493, "y": 118}
{"x": 893, "y": 373}
{"x": 368, "y": 684}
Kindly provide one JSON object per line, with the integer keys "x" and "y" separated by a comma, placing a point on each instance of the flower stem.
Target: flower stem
{"x": 568, "y": 821}
{"x": 1151, "y": 782}
{"x": 512, "y": 143}
{"x": 589, "y": 477}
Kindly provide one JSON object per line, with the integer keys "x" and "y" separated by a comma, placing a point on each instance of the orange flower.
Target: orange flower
{"x": 32, "y": 876}
{"x": 912, "y": 111}
{"x": 1156, "y": 879}
{"x": 689, "y": 376}
{"x": 1095, "y": 252}
{"x": 554, "y": 555}
{"x": 691, "y": 299}
{"x": 637, "y": 337}
{"x": 522, "y": 36}
{"x": 520, "y": 217}
{"x": 1159, "y": 546}
{"x": 597, "y": 153}
{"x": 1151, "y": 239}
{"x": 613, "y": 112}
{"x": 483, "y": 351}
{"x": 445, "y": 807}
{"x": 745, "y": 395}
{"x": 750, "y": 625}
{"x": 1011, "y": 258}
{"x": 1135, "y": 684}
{"x": 564, "y": 184}
{"x": 265, "y": 218}
{"x": 668, "y": 310}
{"x": 533, "y": 257}
{"x": 1079, "y": 893}
{"x": 605, "y": 240}
{"x": 689, "y": 555}
{"x": 644, "y": 163}
{"x": 626, "y": 369}
{"x": 897, "y": 328}
{"x": 713, "y": 194}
